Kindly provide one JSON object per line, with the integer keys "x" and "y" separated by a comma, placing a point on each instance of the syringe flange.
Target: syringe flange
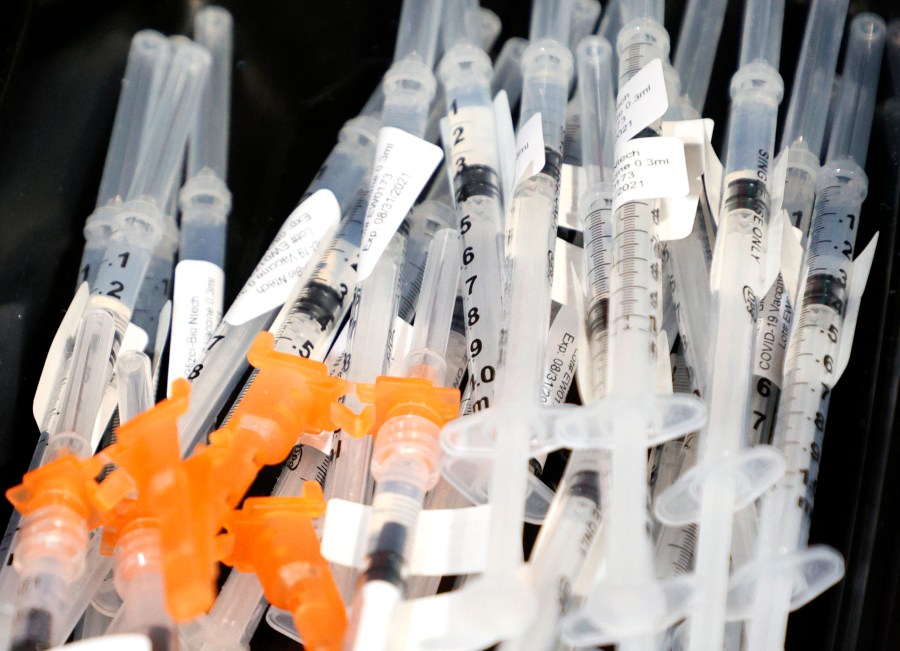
{"x": 811, "y": 571}
{"x": 753, "y": 472}
{"x": 629, "y": 609}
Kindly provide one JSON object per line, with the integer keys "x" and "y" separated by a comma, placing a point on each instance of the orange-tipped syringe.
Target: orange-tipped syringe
{"x": 275, "y": 538}
{"x": 409, "y": 412}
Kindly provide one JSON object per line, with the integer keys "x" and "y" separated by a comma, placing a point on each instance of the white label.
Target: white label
{"x": 560, "y": 361}
{"x": 447, "y": 541}
{"x": 403, "y": 165}
{"x": 57, "y": 357}
{"x": 568, "y": 262}
{"x": 859, "y": 276}
{"x": 791, "y": 256}
{"x": 712, "y": 180}
{"x": 648, "y": 168}
{"x": 123, "y": 642}
{"x": 641, "y": 102}
{"x": 506, "y": 144}
{"x": 677, "y": 213}
{"x": 663, "y": 364}
{"x": 271, "y": 282}
{"x": 529, "y": 149}
{"x": 197, "y": 299}
{"x": 401, "y": 340}
{"x": 773, "y": 332}
{"x": 572, "y": 182}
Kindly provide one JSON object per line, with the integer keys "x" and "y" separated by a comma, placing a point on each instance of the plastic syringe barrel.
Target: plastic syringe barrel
{"x": 460, "y": 23}
{"x": 594, "y": 57}
{"x": 205, "y": 200}
{"x": 597, "y": 102}
{"x": 409, "y": 84}
{"x": 761, "y": 36}
{"x": 508, "y": 69}
{"x": 162, "y": 148}
{"x": 550, "y": 19}
{"x": 810, "y": 94}
{"x": 584, "y": 19}
{"x": 635, "y": 9}
{"x": 841, "y": 187}
{"x": 417, "y": 33}
{"x": 610, "y": 25}
{"x": 697, "y": 41}
{"x": 853, "y": 117}
{"x": 426, "y": 219}
{"x": 80, "y": 399}
{"x": 148, "y": 61}
{"x": 134, "y": 381}
{"x": 213, "y": 28}
{"x": 892, "y": 43}
{"x": 343, "y": 172}
{"x": 547, "y": 66}
{"x": 374, "y": 307}
{"x": 434, "y": 310}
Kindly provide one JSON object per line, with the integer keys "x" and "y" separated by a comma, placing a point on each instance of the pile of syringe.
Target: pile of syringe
{"x": 406, "y": 344}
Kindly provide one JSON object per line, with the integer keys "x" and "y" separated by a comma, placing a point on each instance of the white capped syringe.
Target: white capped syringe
{"x": 498, "y": 605}
{"x": 628, "y": 605}
{"x": 729, "y": 476}
{"x": 465, "y": 72}
{"x": 574, "y": 515}
{"x": 205, "y": 202}
{"x": 786, "y": 574}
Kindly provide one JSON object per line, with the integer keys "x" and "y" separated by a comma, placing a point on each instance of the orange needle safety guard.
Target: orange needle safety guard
{"x": 291, "y": 396}
{"x": 405, "y": 396}
{"x": 274, "y": 537}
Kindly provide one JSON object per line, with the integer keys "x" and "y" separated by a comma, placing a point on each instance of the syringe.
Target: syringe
{"x": 804, "y": 125}
{"x": 148, "y": 61}
{"x": 374, "y": 304}
{"x": 508, "y": 425}
{"x": 787, "y": 574}
{"x": 48, "y": 561}
{"x": 547, "y": 71}
{"x": 687, "y": 261}
{"x": 465, "y": 72}
{"x": 628, "y": 605}
{"x": 800, "y": 143}
{"x": 574, "y": 515}
{"x": 728, "y": 476}
{"x": 138, "y": 571}
{"x": 406, "y": 455}
{"x": 409, "y": 87}
{"x": 205, "y": 202}
{"x": 310, "y": 324}
{"x": 343, "y": 174}
{"x": 508, "y": 70}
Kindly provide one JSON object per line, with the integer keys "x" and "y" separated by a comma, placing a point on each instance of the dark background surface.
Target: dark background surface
{"x": 301, "y": 70}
